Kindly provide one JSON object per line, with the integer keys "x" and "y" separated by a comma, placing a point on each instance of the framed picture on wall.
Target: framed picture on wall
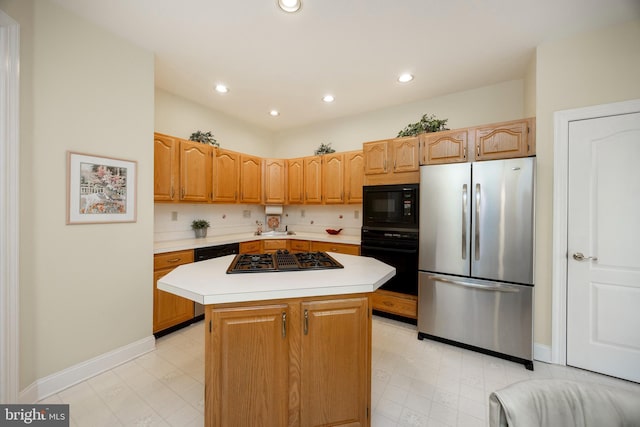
{"x": 100, "y": 189}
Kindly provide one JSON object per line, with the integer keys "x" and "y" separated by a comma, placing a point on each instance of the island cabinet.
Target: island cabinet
{"x": 293, "y": 362}
{"x": 394, "y": 161}
{"x": 166, "y": 168}
{"x": 168, "y": 309}
{"x": 505, "y": 140}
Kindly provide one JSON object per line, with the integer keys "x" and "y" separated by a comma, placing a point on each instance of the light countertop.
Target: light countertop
{"x": 206, "y": 282}
{"x": 179, "y": 245}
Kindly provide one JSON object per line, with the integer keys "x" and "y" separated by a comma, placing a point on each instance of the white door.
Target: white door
{"x": 603, "y": 241}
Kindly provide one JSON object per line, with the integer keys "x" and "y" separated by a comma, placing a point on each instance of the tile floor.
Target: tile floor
{"x": 414, "y": 383}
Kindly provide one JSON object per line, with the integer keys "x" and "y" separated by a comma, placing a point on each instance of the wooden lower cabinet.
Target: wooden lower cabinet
{"x": 395, "y": 303}
{"x": 274, "y": 245}
{"x": 341, "y": 248}
{"x": 299, "y": 245}
{"x": 251, "y": 247}
{"x": 169, "y": 310}
{"x": 294, "y": 362}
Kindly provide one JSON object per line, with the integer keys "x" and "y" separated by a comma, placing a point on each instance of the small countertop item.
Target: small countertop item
{"x": 207, "y": 282}
{"x": 333, "y": 231}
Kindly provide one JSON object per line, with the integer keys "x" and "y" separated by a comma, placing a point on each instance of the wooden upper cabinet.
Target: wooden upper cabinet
{"x": 226, "y": 176}
{"x": 405, "y": 154}
{"x": 195, "y": 171}
{"x": 313, "y": 179}
{"x": 295, "y": 181}
{"x": 444, "y": 147}
{"x": 505, "y": 140}
{"x": 275, "y": 182}
{"x": 375, "y": 157}
{"x": 333, "y": 178}
{"x": 353, "y": 176}
{"x": 250, "y": 179}
{"x": 166, "y": 168}
{"x": 394, "y": 161}
{"x": 335, "y": 363}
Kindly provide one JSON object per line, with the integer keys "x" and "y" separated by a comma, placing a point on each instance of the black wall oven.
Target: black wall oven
{"x": 390, "y": 207}
{"x": 390, "y": 232}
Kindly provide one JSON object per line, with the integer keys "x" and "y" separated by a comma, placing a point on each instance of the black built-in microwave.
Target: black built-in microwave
{"x": 390, "y": 206}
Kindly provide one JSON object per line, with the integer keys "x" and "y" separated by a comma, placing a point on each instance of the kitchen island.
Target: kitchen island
{"x": 285, "y": 348}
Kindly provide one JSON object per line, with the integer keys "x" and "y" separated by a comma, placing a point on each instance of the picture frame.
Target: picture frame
{"x": 100, "y": 189}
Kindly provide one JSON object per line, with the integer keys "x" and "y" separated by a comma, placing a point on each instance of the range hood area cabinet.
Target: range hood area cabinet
{"x": 393, "y": 161}
{"x": 186, "y": 171}
{"x": 503, "y": 140}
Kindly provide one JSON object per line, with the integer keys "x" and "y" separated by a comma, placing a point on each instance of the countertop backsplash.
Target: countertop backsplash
{"x": 173, "y": 221}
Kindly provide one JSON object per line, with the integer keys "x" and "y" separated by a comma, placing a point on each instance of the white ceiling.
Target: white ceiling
{"x": 354, "y": 49}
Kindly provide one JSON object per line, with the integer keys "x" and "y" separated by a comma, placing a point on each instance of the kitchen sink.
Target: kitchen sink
{"x": 276, "y": 233}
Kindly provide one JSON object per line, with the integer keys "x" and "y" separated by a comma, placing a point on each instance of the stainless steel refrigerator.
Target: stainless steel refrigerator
{"x": 476, "y": 256}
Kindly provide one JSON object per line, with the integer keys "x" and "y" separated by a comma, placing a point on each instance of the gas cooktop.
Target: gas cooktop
{"x": 282, "y": 261}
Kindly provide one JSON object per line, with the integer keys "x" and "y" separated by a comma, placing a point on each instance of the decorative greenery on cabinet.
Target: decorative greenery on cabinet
{"x": 204, "y": 137}
{"x": 428, "y": 123}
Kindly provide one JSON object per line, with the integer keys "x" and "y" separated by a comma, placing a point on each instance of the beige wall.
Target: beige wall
{"x": 594, "y": 68}
{"x": 179, "y": 117}
{"x": 488, "y": 104}
{"x": 84, "y": 289}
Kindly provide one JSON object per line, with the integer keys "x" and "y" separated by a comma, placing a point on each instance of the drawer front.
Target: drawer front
{"x": 252, "y": 247}
{"x": 402, "y": 305}
{"x": 341, "y": 248}
{"x": 299, "y": 245}
{"x": 172, "y": 259}
{"x": 274, "y": 244}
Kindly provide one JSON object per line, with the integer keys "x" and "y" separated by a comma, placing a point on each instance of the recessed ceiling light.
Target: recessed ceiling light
{"x": 220, "y": 88}
{"x": 290, "y": 5}
{"x": 328, "y": 98}
{"x": 274, "y": 113}
{"x": 405, "y": 78}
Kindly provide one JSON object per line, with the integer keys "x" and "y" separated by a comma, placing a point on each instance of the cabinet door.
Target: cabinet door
{"x": 225, "y": 176}
{"x": 333, "y": 178}
{"x": 251, "y": 247}
{"x": 443, "y": 147}
{"x": 405, "y": 155}
{"x": 503, "y": 140}
{"x": 299, "y": 245}
{"x": 166, "y": 154}
{"x": 273, "y": 245}
{"x": 247, "y": 369}
{"x": 313, "y": 179}
{"x": 335, "y": 348}
{"x": 168, "y": 309}
{"x": 195, "y": 171}
{"x": 375, "y": 157}
{"x": 295, "y": 178}
{"x": 353, "y": 176}
{"x": 250, "y": 179}
{"x": 341, "y": 248}
{"x": 274, "y": 181}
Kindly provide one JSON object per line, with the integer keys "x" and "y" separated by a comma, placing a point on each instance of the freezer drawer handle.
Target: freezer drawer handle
{"x": 495, "y": 288}
{"x": 464, "y": 221}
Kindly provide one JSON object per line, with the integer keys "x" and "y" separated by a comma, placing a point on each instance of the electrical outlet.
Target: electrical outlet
{"x": 356, "y": 214}
{"x": 174, "y": 216}
{"x": 246, "y": 214}
{"x": 302, "y": 213}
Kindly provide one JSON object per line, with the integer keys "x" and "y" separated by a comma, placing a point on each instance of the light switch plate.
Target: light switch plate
{"x": 174, "y": 216}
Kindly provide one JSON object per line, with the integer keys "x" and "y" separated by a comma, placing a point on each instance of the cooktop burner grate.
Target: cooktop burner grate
{"x": 282, "y": 261}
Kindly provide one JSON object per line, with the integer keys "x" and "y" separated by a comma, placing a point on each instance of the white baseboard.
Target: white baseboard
{"x": 542, "y": 353}
{"x": 54, "y": 383}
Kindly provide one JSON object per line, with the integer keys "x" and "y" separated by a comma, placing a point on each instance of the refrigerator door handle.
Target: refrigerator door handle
{"x": 477, "y": 223}
{"x": 464, "y": 221}
{"x": 494, "y": 287}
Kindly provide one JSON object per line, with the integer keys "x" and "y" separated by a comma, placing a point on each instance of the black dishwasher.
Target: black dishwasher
{"x": 202, "y": 254}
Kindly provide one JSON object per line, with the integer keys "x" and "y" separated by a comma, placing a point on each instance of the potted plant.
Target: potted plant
{"x": 426, "y": 124}
{"x": 204, "y": 137}
{"x": 200, "y": 227}
{"x": 324, "y": 149}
